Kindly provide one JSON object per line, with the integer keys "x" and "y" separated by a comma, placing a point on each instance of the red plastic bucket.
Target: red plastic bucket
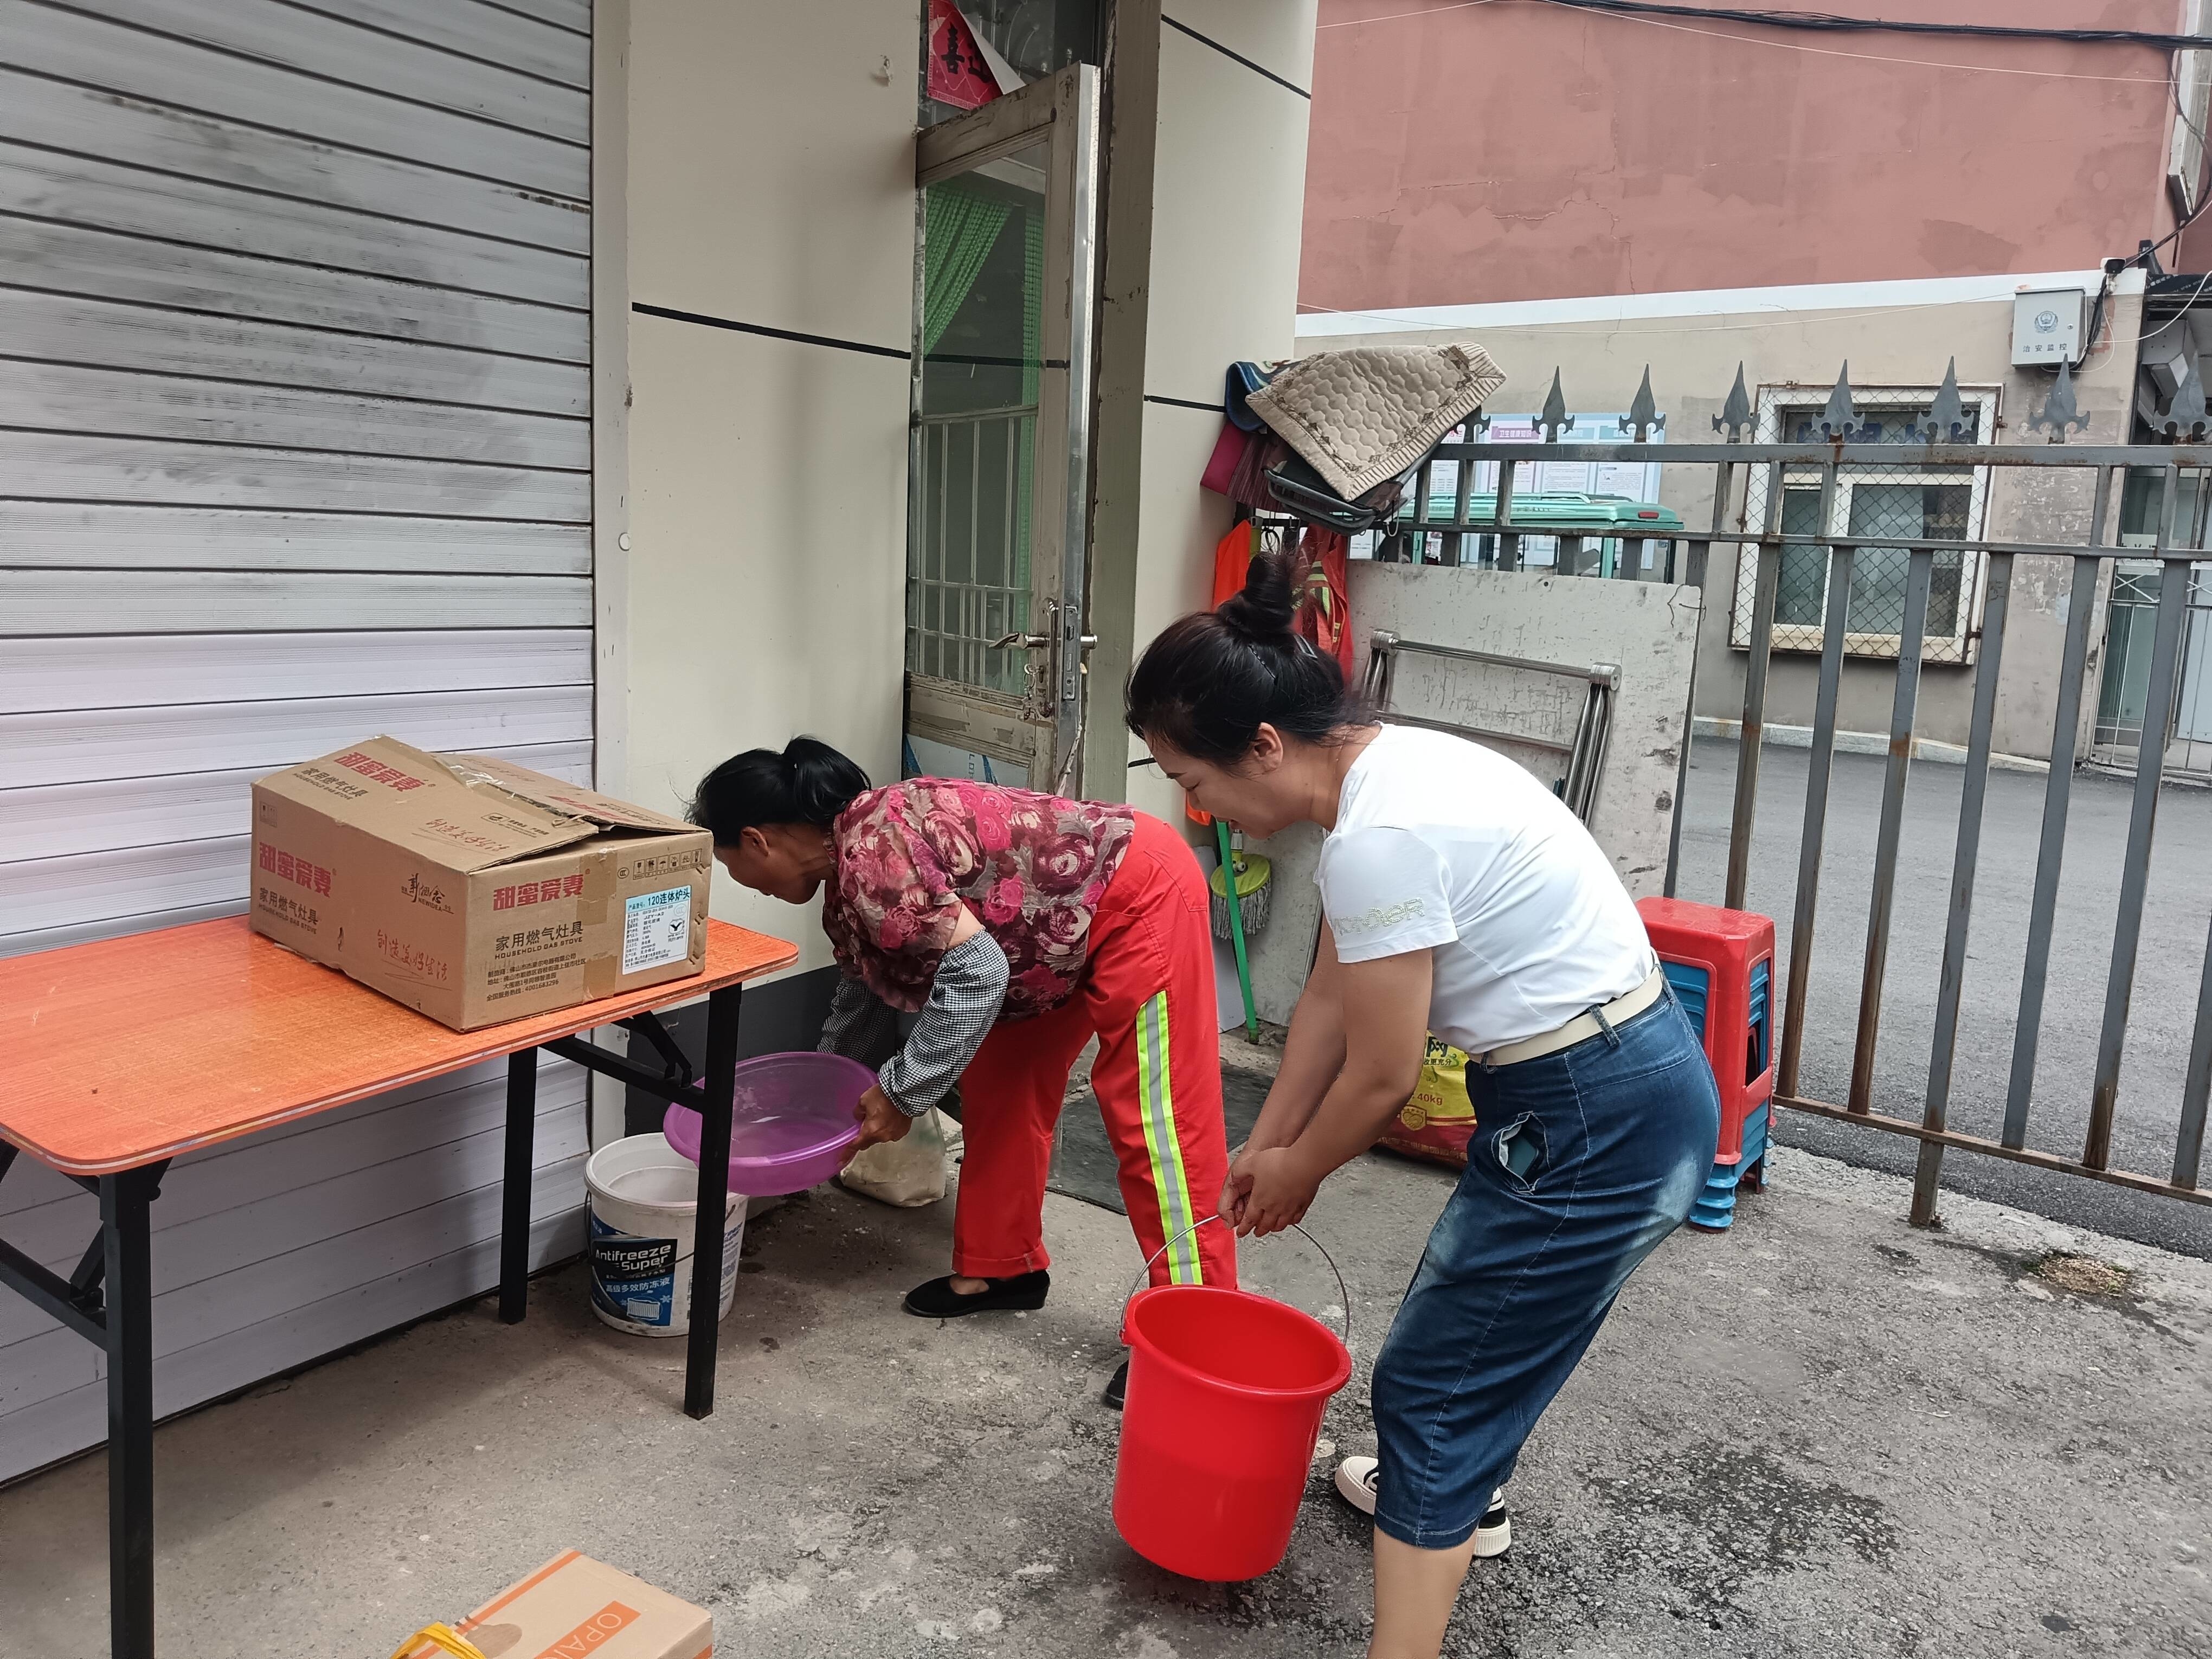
{"x": 1225, "y": 1395}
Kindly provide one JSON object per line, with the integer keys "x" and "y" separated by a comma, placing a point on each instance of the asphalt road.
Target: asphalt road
{"x": 2162, "y": 1014}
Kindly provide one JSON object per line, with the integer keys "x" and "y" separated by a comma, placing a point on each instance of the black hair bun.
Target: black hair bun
{"x": 823, "y": 781}
{"x": 1212, "y": 678}
{"x": 1263, "y": 611}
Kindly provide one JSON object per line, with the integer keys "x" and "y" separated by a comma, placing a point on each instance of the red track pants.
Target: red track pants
{"x": 1148, "y": 995}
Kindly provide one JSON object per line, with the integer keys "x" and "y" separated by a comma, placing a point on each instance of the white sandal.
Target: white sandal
{"x": 1356, "y": 1480}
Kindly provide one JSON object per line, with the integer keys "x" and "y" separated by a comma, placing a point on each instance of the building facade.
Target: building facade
{"x": 1597, "y": 190}
{"x": 540, "y": 377}
{"x": 1478, "y": 155}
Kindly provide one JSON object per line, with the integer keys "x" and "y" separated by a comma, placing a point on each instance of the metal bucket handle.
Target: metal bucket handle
{"x": 1145, "y": 1272}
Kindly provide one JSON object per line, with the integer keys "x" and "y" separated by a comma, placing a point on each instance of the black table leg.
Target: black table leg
{"x": 514, "y": 1192}
{"x": 713, "y": 1197}
{"x": 124, "y": 1202}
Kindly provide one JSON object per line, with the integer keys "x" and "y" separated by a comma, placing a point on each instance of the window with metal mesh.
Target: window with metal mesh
{"x": 1889, "y": 506}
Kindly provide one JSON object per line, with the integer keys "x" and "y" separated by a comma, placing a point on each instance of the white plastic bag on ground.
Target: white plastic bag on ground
{"x": 908, "y": 1173}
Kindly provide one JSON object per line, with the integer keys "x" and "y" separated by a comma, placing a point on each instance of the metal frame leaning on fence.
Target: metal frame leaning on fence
{"x": 1585, "y": 753}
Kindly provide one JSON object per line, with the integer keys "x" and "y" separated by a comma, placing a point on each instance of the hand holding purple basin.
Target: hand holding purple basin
{"x": 792, "y": 1126}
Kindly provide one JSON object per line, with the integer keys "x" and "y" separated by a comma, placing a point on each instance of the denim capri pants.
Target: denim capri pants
{"x": 1582, "y": 1162}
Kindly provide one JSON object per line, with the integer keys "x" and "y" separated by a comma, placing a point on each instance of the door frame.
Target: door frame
{"x": 1042, "y": 730}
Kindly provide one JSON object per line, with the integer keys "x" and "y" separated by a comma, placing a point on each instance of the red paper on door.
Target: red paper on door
{"x": 959, "y": 75}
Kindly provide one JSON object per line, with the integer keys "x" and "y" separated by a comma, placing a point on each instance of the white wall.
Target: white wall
{"x": 1220, "y": 287}
{"x": 771, "y": 185}
{"x": 1228, "y": 195}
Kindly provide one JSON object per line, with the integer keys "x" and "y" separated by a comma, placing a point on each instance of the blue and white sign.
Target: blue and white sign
{"x": 656, "y": 929}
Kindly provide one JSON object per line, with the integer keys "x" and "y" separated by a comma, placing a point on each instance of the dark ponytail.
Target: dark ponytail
{"x": 809, "y": 783}
{"x": 1209, "y": 683}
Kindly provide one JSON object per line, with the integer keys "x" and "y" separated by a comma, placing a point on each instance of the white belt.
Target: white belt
{"x": 1580, "y": 1028}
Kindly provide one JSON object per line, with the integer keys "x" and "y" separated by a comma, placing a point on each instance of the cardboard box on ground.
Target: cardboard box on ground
{"x": 470, "y": 890}
{"x": 574, "y": 1606}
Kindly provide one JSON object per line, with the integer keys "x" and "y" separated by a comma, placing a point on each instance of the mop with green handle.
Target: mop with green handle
{"x": 1240, "y": 900}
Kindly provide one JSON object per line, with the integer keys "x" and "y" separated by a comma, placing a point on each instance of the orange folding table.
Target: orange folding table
{"x": 117, "y": 1057}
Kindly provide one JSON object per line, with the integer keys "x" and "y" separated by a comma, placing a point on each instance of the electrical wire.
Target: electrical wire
{"x": 2187, "y": 305}
{"x": 2173, "y": 80}
{"x": 1398, "y": 16}
{"x": 2149, "y": 255}
{"x": 1832, "y": 22}
{"x": 1907, "y": 63}
{"x": 1792, "y": 45}
{"x": 2173, "y": 84}
{"x": 2096, "y": 317}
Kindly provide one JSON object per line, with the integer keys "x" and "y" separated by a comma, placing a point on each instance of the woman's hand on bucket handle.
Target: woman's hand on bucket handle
{"x": 1279, "y": 1187}
{"x": 1236, "y": 1189}
{"x": 880, "y": 1120}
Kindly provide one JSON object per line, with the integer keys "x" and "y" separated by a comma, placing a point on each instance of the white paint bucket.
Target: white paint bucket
{"x": 644, "y": 1203}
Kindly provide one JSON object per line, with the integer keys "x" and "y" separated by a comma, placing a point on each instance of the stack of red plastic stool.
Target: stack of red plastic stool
{"x": 1721, "y": 964}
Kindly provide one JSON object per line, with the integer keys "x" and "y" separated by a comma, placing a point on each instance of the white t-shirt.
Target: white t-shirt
{"x": 1442, "y": 844}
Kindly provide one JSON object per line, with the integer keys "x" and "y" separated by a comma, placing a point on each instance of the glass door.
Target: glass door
{"x": 1000, "y": 461}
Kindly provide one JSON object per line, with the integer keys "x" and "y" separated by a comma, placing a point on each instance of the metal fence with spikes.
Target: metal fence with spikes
{"x": 1857, "y": 526}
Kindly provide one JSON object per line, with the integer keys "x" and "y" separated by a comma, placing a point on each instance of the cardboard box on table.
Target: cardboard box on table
{"x": 471, "y": 890}
{"x": 573, "y": 1605}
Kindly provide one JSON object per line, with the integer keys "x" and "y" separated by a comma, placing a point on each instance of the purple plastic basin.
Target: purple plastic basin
{"x": 793, "y": 1125}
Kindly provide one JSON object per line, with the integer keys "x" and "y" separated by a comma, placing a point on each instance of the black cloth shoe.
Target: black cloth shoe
{"x": 1118, "y": 1389}
{"x": 938, "y": 1300}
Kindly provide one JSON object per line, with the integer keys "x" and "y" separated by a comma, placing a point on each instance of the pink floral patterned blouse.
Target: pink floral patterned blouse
{"x": 1031, "y": 868}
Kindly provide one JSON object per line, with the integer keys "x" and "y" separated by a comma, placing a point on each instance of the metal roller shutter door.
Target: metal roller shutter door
{"x": 294, "y": 447}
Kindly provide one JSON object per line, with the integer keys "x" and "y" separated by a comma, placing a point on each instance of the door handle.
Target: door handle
{"x": 1036, "y": 642}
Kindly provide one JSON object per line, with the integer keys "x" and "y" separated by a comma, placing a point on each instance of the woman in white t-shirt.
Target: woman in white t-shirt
{"x": 1459, "y": 897}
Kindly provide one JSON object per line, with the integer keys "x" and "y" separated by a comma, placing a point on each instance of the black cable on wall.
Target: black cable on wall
{"x": 1832, "y": 22}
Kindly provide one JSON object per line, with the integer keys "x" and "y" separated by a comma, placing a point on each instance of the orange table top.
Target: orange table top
{"x": 131, "y": 1050}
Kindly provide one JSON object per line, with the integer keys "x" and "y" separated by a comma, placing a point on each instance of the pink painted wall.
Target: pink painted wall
{"x": 1514, "y": 150}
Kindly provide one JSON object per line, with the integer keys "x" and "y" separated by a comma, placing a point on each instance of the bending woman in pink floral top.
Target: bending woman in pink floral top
{"x": 1017, "y": 925}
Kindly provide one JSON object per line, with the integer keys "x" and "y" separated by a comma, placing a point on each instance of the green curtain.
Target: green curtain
{"x": 1032, "y": 303}
{"x": 1032, "y": 371}
{"x": 959, "y": 230}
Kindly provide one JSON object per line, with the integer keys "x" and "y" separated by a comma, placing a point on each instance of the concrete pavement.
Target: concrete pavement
{"x": 1821, "y": 1433}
